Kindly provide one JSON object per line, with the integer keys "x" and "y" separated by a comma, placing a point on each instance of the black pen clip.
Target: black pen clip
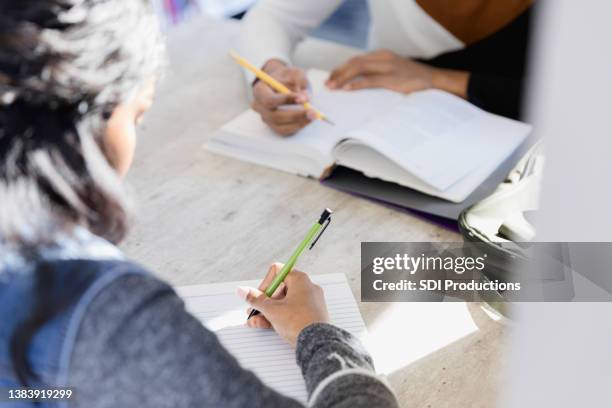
{"x": 327, "y": 222}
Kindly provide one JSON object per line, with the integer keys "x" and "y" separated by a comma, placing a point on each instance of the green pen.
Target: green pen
{"x": 320, "y": 225}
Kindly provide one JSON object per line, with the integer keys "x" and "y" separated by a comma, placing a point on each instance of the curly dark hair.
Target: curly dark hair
{"x": 64, "y": 66}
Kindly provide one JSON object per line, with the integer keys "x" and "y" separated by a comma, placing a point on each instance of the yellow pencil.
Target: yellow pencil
{"x": 274, "y": 84}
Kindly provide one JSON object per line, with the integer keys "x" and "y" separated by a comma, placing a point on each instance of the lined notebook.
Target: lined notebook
{"x": 263, "y": 351}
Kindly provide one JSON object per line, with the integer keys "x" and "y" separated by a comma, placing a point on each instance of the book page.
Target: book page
{"x": 432, "y": 137}
{"x": 440, "y": 138}
{"x": 248, "y": 138}
{"x": 348, "y": 110}
{"x": 263, "y": 351}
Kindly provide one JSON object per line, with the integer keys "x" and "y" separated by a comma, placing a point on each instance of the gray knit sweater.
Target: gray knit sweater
{"x": 138, "y": 347}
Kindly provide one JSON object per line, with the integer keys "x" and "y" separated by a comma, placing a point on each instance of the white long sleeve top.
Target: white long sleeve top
{"x": 273, "y": 28}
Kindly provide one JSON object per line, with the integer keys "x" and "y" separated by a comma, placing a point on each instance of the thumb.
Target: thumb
{"x": 255, "y": 297}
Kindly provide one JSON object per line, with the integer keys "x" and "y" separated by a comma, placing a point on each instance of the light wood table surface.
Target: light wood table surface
{"x": 203, "y": 218}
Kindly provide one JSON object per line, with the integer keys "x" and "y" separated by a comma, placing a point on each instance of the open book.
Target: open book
{"x": 430, "y": 141}
{"x": 260, "y": 350}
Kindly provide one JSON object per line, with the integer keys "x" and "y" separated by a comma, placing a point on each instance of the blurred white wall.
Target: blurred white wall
{"x": 561, "y": 353}
{"x": 572, "y": 112}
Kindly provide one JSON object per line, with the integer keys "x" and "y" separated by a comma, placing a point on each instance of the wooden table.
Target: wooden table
{"x": 203, "y": 218}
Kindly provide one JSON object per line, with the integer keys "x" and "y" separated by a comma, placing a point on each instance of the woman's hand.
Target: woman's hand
{"x": 296, "y": 304}
{"x": 385, "y": 69}
{"x": 267, "y": 102}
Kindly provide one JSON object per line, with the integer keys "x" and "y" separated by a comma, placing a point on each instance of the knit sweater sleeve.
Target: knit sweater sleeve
{"x": 138, "y": 346}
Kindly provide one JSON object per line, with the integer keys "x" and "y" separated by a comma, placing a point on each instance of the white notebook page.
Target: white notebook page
{"x": 263, "y": 351}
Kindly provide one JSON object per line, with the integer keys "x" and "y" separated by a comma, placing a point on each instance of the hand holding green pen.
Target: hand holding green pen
{"x": 298, "y": 303}
{"x": 309, "y": 240}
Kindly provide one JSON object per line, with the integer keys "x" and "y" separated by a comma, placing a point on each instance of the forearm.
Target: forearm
{"x": 452, "y": 81}
{"x": 264, "y": 36}
{"x": 338, "y": 371}
{"x": 497, "y": 94}
{"x": 273, "y": 28}
{"x": 494, "y": 93}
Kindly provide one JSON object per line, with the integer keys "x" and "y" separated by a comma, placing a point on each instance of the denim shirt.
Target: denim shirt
{"x": 126, "y": 341}
{"x": 51, "y": 347}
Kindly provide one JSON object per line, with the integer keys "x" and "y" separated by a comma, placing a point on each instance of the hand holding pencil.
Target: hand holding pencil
{"x": 296, "y": 304}
{"x": 273, "y": 89}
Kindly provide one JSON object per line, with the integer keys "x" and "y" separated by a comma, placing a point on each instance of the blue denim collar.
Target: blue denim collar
{"x": 79, "y": 244}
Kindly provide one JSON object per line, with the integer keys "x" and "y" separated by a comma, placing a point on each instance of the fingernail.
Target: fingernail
{"x": 242, "y": 292}
{"x": 347, "y": 87}
{"x": 331, "y": 84}
{"x": 311, "y": 115}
